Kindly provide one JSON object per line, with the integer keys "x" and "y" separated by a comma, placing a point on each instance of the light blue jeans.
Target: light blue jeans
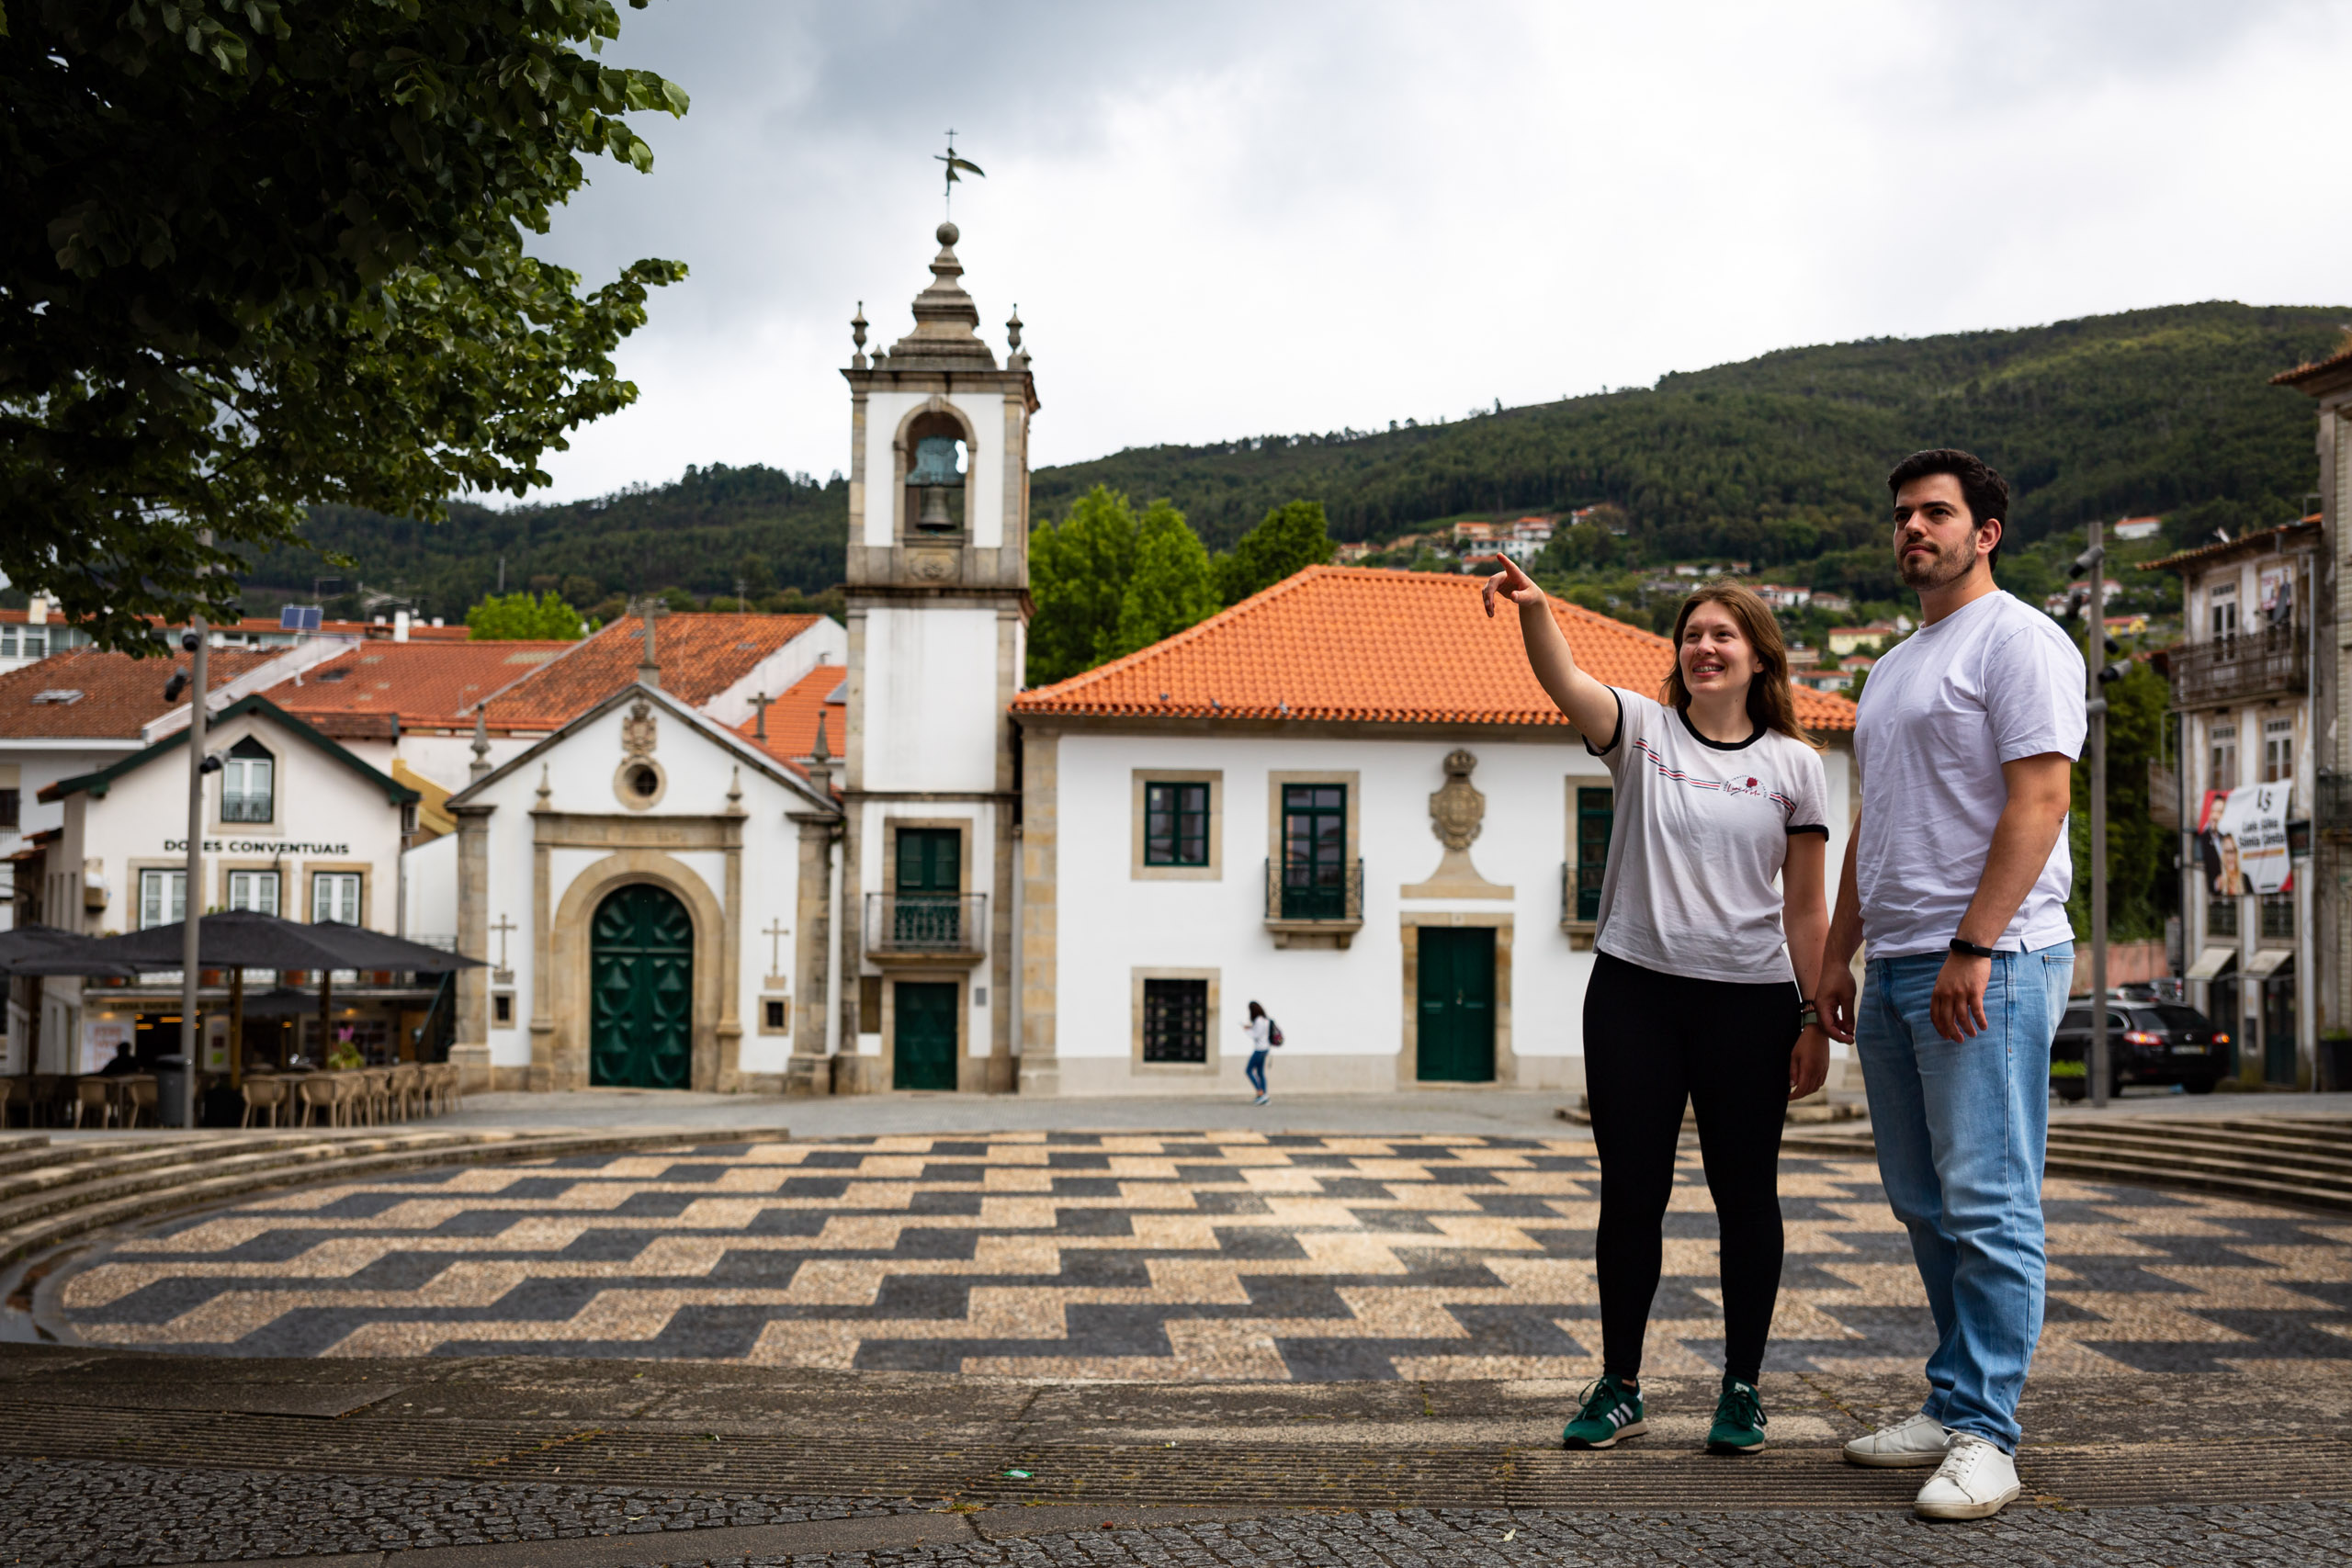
{"x": 1961, "y": 1128}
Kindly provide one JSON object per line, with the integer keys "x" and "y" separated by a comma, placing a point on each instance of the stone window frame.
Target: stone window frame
{"x": 624, "y": 792}
{"x": 138, "y": 890}
{"x": 1409, "y": 949}
{"x": 1351, "y": 777}
{"x": 768, "y": 999}
{"x": 313, "y": 870}
{"x": 1580, "y": 933}
{"x": 225, "y": 868}
{"x": 1143, "y": 778}
{"x": 1207, "y": 1069}
{"x": 963, "y": 826}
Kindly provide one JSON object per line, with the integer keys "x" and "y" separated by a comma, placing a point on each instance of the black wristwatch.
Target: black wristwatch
{"x": 1963, "y": 946}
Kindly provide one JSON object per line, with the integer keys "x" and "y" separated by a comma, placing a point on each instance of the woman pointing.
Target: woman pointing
{"x": 1703, "y": 970}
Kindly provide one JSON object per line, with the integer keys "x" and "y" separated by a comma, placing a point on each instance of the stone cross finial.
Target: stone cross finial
{"x": 649, "y": 672}
{"x": 858, "y": 337}
{"x": 820, "y": 772}
{"x": 760, "y": 717}
{"x": 480, "y": 767}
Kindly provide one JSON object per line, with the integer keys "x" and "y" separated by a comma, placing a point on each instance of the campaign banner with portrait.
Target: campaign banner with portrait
{"x": 2242, "y": 834}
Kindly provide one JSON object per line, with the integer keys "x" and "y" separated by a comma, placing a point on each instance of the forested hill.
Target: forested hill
{"x": 2161, "y": 411}
{"x": 1778, "y": 458}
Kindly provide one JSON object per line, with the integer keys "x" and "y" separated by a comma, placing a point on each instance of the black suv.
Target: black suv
{"x": 2153, "y": 1043}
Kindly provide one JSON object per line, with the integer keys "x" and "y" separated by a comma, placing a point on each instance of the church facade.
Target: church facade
{"x": 1344, "y": 798}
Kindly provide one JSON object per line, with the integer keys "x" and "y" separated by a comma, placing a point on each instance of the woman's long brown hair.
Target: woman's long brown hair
{"x": 1770, "y": 703}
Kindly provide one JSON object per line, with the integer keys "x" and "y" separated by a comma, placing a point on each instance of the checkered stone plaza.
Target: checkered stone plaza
{"x": 1218, "y": 1256}
{"x": 1048, "y": 1346}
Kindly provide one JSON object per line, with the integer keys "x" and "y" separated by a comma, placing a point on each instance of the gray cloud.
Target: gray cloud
{"x": 1220, "y": 219}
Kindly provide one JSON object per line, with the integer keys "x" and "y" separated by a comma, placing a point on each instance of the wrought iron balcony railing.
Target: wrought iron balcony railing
{"x": 2332, "y": 812}
{"x": 2271, "y": 660}
{"x": 938, "y": 924}
{"x": 1325, "y": 891}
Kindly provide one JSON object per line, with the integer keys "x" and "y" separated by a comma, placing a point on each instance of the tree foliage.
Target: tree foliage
{"x": 520, "y": 618}
{"x": 1107, "y": 582}
{"x": 2141, "y": 890}
{"x": 1289, "y": 538}
{"x": 258, "y": 254}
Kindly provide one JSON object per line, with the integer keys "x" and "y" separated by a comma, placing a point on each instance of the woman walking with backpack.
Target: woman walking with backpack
{"x": 1263, "y": 1037}
{"x": 1703, "y": 971}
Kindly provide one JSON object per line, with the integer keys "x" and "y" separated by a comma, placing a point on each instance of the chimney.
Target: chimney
{"x": 400, "y": 626}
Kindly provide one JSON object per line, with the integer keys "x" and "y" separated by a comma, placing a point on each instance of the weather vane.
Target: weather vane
{"x": 954, "y": 163}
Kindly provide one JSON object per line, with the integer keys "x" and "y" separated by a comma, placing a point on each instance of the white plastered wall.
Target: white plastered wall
{"x": 933, "y": 715}
{"x": 1341, "y": 1010}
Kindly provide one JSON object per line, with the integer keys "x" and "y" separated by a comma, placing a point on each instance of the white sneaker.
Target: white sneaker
{"x": 1975, "y": 1482}
{"x": 1914, "y": 1440}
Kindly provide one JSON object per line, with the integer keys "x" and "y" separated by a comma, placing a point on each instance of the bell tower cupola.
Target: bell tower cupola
{"x": 939, "y": 475}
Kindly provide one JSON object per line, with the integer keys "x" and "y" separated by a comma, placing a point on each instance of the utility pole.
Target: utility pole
{"x": 192, "y": 898}
{"x": 2097, "y": 673}
{"x": 2097, "y": 649}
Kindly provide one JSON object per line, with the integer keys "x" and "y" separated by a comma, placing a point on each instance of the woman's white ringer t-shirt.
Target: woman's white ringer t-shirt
{"x": 1701, "y": 832}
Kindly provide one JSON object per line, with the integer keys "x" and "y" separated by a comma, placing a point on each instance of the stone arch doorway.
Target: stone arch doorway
{"x": 641, "y": 989}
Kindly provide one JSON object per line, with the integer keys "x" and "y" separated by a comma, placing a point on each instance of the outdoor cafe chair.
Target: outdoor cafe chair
{"x": 329, "y": 1093}
{"x": 42, "y": 1092}
{"x": 12, "y": 1094}
{"x": 138, "y": 1095}
{"x": 90, "y": 1094}
{"x": 407, "y": 1090}
{"x": 375, "y": 1093}
{"x": 266, "y": 1099}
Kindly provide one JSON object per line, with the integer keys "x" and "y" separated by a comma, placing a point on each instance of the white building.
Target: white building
{"x": 644, "y": 865}
{"x": 1348, "y": 800}
{"x": 295, "y": 824}
{"x": 2242, "y": 684}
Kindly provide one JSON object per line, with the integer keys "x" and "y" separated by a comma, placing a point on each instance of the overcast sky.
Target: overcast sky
{"x": 1226, "y": 219}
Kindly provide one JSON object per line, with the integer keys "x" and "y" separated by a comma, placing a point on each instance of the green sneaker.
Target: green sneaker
{"x": 1611, "y": 1412}
{"x": 1740, "y": 1420}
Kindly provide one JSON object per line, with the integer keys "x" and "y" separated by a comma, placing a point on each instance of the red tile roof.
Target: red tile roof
{"x": 792, "y": 717}
{"x": 2317, "y": 369}
{"x": 420, "y": 683}
{"x": 120, "y": 693}
{"x": 1362, "y": 644}
{"x": 701, "y": 654}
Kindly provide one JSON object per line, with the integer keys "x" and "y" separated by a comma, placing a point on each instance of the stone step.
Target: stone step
{"x": 2319, "y": 1154}
{"x": 34, "y": 1224}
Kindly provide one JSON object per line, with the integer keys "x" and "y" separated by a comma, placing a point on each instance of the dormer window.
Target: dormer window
{"x": 248, "y": 784}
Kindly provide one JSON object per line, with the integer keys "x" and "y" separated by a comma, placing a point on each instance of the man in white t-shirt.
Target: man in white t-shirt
{"x": 1956, "y": 877}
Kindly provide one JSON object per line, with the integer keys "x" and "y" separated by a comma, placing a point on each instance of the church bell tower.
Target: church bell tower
{"x": 938, "y": 605}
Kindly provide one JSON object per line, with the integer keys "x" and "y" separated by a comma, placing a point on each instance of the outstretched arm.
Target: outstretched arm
{"x": 1588, "y": 702}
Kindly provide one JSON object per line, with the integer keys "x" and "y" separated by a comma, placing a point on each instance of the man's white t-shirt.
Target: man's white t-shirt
{"x": 1991, "y": 682}
{"x": 1700, "y": 831}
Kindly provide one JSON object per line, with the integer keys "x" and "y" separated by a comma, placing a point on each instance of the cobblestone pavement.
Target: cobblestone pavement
{"x": 98, "y": 1516}
{"x": 1184, "y": 1256}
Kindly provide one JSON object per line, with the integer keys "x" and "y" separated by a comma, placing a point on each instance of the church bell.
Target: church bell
{"x": 935, "y": 475}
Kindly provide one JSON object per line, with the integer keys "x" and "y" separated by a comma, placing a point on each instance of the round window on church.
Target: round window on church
{"x": 639, "y": 784}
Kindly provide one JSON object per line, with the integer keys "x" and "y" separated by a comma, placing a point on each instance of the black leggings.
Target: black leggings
{"x": 1651, "y": 1040}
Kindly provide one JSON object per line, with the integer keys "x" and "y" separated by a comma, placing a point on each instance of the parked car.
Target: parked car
{"x": 2151, "y": 1042}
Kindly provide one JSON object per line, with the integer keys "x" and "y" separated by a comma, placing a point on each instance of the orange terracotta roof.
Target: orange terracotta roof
{"x": 421, "y": 683}
{"x": 1362, "y": 644}
{"x": 701, "y": 654}
{"x": 2339, "y": 360}
{"x": 120, "y": 693}
{"x": 792, "y": 718}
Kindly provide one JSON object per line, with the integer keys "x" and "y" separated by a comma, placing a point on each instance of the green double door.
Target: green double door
{"x": 922, "y": 1041}
{"x": 641, "y": 991}
{"x": 1456, "y": 991}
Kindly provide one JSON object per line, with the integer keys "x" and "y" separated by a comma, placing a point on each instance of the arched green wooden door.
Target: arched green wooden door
{"x": 642, "y": 988}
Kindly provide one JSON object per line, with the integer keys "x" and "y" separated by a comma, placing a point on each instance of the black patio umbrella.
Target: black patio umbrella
{"x": 246, "y": 939}
{"x": 46, "y": 950}
{"x": 374, "y": 950}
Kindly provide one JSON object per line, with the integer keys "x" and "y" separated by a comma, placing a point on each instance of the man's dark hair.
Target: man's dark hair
{"x": 1986, "y": 492}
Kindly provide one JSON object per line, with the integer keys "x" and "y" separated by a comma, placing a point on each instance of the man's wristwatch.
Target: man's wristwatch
{"x": 1968, "y": 949}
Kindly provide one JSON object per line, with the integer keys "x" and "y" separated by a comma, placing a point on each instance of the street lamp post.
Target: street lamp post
{"x": 192, "y": 898}
{"x": 2098, "y": 674}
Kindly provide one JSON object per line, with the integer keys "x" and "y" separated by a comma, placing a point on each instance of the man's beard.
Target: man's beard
{"x": 1938, "y": 569}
